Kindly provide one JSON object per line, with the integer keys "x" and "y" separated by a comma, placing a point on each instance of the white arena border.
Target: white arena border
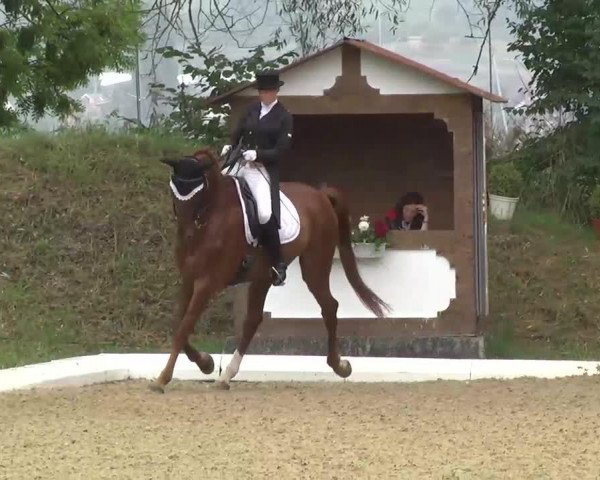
{"x": 111, "y": 367}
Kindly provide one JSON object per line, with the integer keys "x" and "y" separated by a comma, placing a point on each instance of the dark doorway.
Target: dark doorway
{"x": 375, "y": 159}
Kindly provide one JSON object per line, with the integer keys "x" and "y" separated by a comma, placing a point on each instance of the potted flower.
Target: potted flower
{"x": 368, "y": 242}
{"x": 504, "y": 184}
{"x": 594, "y": 204}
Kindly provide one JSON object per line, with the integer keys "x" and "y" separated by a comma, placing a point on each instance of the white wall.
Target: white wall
{"x": 394, "y": 79}
{"x": 310, "y": 78}
{"x": 319, "y": 74}
{"x": 415, "y": 283}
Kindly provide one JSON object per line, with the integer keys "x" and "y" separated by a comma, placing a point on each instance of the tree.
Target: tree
{"x": 559, "y": 42}
{"x": 215, "y": 75}
{"x": 50, "y": 47}
{"x": 308, "y": 23}
{"x": 303, "y": 25}
{"x": 311, "y": 25}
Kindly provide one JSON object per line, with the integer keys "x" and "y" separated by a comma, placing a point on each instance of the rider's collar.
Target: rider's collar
{"x": 269, "y": 106}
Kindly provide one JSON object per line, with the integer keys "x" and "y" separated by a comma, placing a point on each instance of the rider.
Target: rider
{"x": 266, "y": 130}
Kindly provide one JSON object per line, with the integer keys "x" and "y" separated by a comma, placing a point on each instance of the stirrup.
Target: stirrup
{"x": 280, "y": 275}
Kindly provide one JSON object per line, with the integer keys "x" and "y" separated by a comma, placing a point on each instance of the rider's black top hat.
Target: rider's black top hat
{"x": 268, "y": 81}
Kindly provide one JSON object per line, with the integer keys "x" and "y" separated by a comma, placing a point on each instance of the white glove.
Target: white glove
{"x": 225, "y": 150}
{"x": 250, "y": 155}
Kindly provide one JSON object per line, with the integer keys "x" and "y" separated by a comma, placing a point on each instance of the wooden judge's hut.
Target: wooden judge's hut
{"x": 377, "y": 125}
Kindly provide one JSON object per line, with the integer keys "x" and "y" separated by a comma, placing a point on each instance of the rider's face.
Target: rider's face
{"x": 267, "y": 96}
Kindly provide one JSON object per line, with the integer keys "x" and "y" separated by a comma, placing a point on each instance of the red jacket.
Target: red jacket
{"x": 382, "y": 227}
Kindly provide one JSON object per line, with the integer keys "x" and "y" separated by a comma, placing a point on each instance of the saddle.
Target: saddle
{"x": 288, "y": 231}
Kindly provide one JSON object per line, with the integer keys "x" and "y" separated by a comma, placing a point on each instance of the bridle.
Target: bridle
{"x": 202, "y": 209}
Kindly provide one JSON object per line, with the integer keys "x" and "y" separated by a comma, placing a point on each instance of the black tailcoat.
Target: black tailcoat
{"x": 270, "y": 136}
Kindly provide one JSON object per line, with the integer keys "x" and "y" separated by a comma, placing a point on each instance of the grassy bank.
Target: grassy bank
{"x": 87, "y": 246}
{"x": 86, "y": 259}
{"x": 544, "y": 289}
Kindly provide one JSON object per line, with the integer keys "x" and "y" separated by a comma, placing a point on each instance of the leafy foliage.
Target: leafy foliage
{"x": 215, "y": 75}
{"x": 311, "y": 25}
{"x": 306, "y": 24}
{"x": 559, "y": 42}
{"x": 561, "y": 169}
{"x": 504, "y": 179}
{"x": 50, "y": 47}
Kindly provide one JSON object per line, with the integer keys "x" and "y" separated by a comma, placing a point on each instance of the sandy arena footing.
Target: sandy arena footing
{"x": 487, "y": 429}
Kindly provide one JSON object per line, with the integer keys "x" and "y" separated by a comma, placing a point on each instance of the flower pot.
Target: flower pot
{"x": 367, "y": 250}
{"x": 596, "y": 226}
{"x": 503, "y": 208}
{"x": 363, "y": 250}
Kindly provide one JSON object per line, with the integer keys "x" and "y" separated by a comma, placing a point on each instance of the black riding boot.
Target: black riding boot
{"x": 271, "y": 242}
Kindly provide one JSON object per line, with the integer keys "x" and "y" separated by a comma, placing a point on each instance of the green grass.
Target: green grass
{"x": 86, "y": 259}
{"x": 544, "y": 289}
{"x": 87, "y": 247}
{"x": 504, "y": 342}
{"x": 550, "y": 225}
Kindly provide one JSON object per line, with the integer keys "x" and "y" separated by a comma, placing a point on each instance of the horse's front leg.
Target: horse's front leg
{"x": 257, "y": 294}
{"x": 204, "y": 360}
{"x": 202, "y": 292}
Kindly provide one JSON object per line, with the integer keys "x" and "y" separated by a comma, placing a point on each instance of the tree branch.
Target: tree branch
{"x": 53, "y": 9}
{"x": 491, "y": 14}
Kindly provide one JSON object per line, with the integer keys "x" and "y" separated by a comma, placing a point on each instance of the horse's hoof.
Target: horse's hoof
{"x": 157, "y": 387}
{"x": 344, "y": 369}
{"x": 210, "y": 368}
{"x": 221, "y": 385}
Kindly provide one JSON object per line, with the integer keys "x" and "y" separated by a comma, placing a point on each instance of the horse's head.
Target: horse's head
{"x": 193, "y": 178}
{"x": 194, "y": 168}
{"x": 190, "y": 167}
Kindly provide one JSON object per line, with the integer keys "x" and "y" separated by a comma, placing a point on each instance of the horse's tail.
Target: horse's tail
{"x": 366, "y": 295}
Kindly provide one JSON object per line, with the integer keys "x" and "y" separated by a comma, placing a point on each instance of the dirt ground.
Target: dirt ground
{"x": 525, "y": 429}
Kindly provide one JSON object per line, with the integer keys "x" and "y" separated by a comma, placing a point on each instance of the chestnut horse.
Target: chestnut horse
{"x": 211, "y": 246}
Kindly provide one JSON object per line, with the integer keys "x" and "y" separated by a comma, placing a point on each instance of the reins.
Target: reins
{"x": 236, "y": 154}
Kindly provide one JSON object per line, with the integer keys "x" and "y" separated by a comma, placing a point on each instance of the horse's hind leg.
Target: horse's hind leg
{"x": 204, "y": 360}
{"x": 316, "y": 267}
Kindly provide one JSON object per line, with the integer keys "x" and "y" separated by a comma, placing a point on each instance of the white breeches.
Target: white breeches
{"x": 259, "y": 182}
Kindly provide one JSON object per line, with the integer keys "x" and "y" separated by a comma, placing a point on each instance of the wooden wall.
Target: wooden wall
{"x": 358, "y": 117}
{"x": 375, "y": 159}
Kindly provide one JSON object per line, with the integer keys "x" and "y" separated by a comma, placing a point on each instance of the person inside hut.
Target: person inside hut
{"x": 410, "y": 213}
{"x": 266, "y": 132}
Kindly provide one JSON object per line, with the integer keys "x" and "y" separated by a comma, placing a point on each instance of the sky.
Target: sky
{"x": 437, "y": 37}
{"x": 433, "y": 32}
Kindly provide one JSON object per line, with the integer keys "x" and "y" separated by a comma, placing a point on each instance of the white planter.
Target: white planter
{"x": 364, "y": 250}
{"x": 367, "y": 250}
{"x": 503, "y": 208}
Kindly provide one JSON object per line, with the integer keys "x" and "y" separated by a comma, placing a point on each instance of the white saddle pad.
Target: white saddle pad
{"x": 289, "y": 222}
